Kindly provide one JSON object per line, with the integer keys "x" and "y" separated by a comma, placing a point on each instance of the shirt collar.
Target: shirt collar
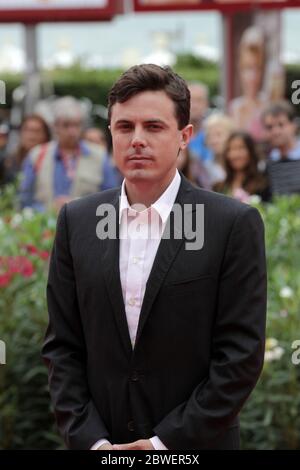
{"x": 164, "y": 203}
{"x": 293, "y": 154}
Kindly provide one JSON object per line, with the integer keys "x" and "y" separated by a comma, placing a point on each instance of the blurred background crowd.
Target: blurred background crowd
{"x": 55, "y": 144}
{"x": 250, "y": 150}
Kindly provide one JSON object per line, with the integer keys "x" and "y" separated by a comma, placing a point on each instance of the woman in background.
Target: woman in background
{"x": 33, "y": 131}
{"x": 193, "y": 169}
{"x": 243, "y": 178}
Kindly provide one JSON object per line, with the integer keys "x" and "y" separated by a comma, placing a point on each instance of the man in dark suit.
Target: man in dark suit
{"x": 155, "y": 337}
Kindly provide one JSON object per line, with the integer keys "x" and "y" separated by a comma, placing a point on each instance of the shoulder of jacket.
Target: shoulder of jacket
{"x": 92, "y": 201}
{"x": 220, "y": 205}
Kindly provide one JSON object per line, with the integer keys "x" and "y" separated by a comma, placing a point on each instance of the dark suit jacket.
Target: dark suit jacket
{"x": 200, "y": 342}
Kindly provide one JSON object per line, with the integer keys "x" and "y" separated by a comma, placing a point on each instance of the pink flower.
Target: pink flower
{"x": 44, "y": 255}
{"x": 26, "y": 267}
{"x": 16, "y": 265}
{"x": 4, "y": 279}
{"x": 12, "y": 264}
{"x": 241, "y": 195}
{"x": 32, "y": 249}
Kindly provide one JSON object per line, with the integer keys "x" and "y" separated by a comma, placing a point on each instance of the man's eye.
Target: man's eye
{"x": 155, "y": 127}
{"x": 124, "y": 127}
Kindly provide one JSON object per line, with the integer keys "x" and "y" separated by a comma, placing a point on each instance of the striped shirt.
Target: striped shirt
{"x": 284, "y": 176}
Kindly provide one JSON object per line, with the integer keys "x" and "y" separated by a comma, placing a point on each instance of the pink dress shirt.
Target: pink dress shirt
{"x": 141, "y": 229}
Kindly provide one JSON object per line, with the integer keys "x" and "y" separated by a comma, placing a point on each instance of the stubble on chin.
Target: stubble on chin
{"x": 138, "y": 175}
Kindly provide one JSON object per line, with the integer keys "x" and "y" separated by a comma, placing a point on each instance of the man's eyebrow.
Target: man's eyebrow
{"x": 147, "y": 121}
{"x": 122, "y": 121}
{"x": 155, "y": 121}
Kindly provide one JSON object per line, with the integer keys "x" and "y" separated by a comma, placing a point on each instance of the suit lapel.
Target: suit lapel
{"x": 165, "y": 255}
{"x": 111, "y": 271}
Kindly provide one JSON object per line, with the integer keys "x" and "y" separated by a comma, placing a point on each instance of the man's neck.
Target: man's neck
{"x": 68, "y": 149}
{"x": 285, "y": 149}
{"x": 146, "y": 192}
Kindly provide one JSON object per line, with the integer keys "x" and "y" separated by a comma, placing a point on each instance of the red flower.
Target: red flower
{"x": 15, "y": 265}
{"x": 25, "y": 266}
{"x": 32, "y": 249}
{"x": 12, "y": 264}
{"x": 44, "y": 255}
{"x": 4, "y": 279}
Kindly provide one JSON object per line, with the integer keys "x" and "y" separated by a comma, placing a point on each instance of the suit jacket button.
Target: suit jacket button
{"x": 130, "y": 426}
{"x": 135, "y": 376}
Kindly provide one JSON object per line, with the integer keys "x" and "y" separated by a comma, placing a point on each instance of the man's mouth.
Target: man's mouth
{"x": 141, "y": 158}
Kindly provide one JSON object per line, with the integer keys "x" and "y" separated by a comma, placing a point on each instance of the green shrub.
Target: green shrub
{"x": 271, "y": 417}
{"x": 95, "y": 84}
{"x": 26, "y": 421}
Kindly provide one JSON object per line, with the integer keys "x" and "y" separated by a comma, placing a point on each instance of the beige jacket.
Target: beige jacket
{"x": 88, "y": 177}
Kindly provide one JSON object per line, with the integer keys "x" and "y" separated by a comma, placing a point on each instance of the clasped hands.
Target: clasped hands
{"x": 141, "y": 444}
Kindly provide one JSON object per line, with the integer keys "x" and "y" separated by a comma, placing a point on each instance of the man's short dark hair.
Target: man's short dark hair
{"x": 150, "y": 77}
{"x": 277, "y": 109}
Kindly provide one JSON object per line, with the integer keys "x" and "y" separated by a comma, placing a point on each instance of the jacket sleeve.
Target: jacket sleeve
{"x": 64, "y": 351}
{"x": 237, "y": 343}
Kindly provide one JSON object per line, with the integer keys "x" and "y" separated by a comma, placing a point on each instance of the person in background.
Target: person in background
{"x": 246, "y": 110}
{"x": 65, "y": 168}
{"x": 243, "y": 179}
{"x": 199, "y": 109}
{"x": 111, "y": 175}
{"x": 193, "y": 169}
{"x": 217, "y": 129}
{"x": 95, "y": 135}
{"x": 283, "y": 165}
{"x": 4, "y": 133}
{"x": 34, "y": 131}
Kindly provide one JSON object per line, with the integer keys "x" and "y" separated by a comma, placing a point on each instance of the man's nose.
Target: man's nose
{"x": 138, "y": 139}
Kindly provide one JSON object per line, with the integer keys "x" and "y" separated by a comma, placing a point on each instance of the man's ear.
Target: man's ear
{"x": 186, "y": 135}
